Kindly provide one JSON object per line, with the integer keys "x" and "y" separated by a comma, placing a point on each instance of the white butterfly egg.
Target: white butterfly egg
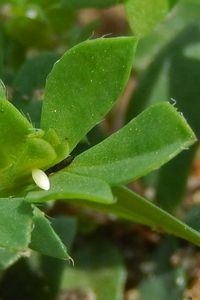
{"x": 41, "y": 179}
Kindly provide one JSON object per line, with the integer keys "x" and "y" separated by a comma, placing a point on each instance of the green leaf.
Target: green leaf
{"x": 15, "y": 225}
{"x": 24, "y": 148}
{"x": 44, "y": 239}
{"x": 14, "y": 129}
{"x": 72, "y": 186}
{"x": 66, "y": 228}
{"x": 93, "y": 72}
{"x": 8, "y": 257}
{"x": 133, "y": 207}
{"x": 99, "y": 272}
{"x": 15, "y": 230}
{"x": 144, "y": 144}
{"x": 144, "y": 15}
{"x": 35, "y": 153}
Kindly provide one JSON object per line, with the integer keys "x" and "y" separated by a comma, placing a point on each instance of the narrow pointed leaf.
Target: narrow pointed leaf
{"x": 44, "y": 239}
{"x": 84, "y": 84}
{"x": 70, "y": 186}
{"x": 133, "y": 207}
{"x": 66, "y": 228}
{"x": 144, "y": 144}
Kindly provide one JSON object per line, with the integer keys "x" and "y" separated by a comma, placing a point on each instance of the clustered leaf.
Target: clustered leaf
{"x": 81, "y": 88}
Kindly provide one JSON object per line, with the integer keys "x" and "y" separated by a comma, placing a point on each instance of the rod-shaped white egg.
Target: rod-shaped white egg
{"x": 41, "y": 179}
